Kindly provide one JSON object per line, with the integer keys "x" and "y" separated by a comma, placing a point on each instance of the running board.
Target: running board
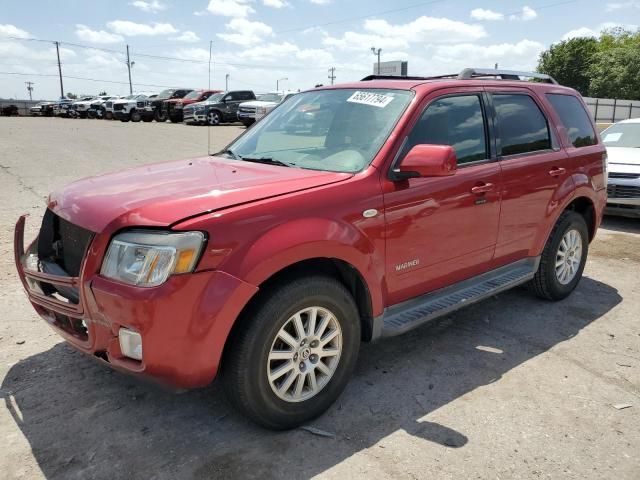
{"x": 412, "y": 313}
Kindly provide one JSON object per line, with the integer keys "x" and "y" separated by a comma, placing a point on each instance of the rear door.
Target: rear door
{"x": 535, "y": 171}
{"x": 443, "y": 230}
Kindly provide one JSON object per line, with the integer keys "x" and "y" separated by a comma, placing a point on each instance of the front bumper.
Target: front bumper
{"x": 190, "y": 116}
{"x": 623, "y": 197}
{"x": 184, "y": 323}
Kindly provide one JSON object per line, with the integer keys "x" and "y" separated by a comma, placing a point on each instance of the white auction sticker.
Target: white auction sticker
{"x": 371, "y": 99}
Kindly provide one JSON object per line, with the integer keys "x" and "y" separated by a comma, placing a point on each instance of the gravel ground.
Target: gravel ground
{"x": 510, "y": 388}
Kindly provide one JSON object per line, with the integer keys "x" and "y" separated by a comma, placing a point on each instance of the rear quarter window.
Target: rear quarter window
{"x": 522, "y": 126}
{"x": 575, "y": 119}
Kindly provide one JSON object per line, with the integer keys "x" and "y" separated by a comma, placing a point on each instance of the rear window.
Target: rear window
{"x": 522, "y": 126}
{"x": 574, "y": 118}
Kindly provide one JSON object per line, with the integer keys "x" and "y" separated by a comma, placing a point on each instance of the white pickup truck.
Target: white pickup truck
{"x": 131, "y": 106}
{"x": 251, "y": 112}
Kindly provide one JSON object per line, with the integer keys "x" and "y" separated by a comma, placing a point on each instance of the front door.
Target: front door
{"x": 443, "y": 230}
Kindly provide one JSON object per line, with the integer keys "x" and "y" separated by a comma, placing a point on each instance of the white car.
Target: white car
{"x": 623, "y": 149}
{"x": 131, "y": 106}
{"x": 251, "y": 112}
{"x": 81, "y": 106}
{"x": 96, "y": 108}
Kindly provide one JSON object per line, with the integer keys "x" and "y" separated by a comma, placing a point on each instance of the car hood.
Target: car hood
{"x": 258, "y": 103}
{"x": 623, "y": 159}
{"x": 165, "y": 193}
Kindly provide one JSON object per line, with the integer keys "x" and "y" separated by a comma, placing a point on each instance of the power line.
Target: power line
{"x": 83, "y": 78}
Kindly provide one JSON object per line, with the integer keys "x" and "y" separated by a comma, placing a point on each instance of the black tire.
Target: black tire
{"x": 175, "y": 119}
{"x": 545, "y": 284}
{"x": 108, "y": 115}
{"x": 125, "y": 117}
{"x": 147, "y": 119}
{"x": 244, "y": 367}
{"x": 248, "y": 123}
{"x": 160, "y": 116}
{"x": 135, "y": 116}
{"x": 214, "y": 117}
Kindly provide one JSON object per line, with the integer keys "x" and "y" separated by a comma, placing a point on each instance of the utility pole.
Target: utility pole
{"x": 495, "y": 66}
{"x": 129, "y": 68}
{"x": 332, "y": 74}
{"x": 30, "y": 88}
{"x": 210, "y": 47}
{"x": 278, "y": 83}
{"x": 226, "y": 82}
{"x": 377, "y": 52}
{"x": 59, "y": 69}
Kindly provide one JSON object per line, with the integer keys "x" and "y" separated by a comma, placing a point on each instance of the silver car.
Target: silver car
{"x": 623, "y": 148}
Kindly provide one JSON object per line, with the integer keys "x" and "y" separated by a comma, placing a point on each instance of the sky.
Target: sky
{"x": 262, "y": 43}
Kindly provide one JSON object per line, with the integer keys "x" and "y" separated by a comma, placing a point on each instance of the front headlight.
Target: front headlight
{"x": 148, "y": 258}
{"x": 261, "y": 110}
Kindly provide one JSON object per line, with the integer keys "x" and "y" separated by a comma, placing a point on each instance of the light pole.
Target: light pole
{"x": 377, "y": 52}
{"x": 278, "y": 83}
{"x": 226, "y": 82}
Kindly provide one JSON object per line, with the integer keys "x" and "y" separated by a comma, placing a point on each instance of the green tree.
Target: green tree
{"x": 569, "y": 62}
{"x": 104, "y": 92}
{"x": 72, "y": 96}
{"x": 616, "y": 74}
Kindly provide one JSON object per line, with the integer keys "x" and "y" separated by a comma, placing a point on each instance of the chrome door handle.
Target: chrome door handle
{"x": 557, "y": 171}
{"x": 484, "y": 188}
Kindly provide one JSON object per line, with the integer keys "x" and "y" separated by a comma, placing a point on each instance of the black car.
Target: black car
{"x": 219, "y": 108}
{"x": 155, "y": 109}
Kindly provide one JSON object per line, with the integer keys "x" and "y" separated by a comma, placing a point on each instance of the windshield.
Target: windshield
{"x": 332, "y": 130}
{"x": 193, "y": 95}
{"x": 130, "y": 97}
{"x": 622, "y": 135}
{"x": 215, "y": 98}
{"x": 270, "y": 97}
{"x": 166, "y": 93}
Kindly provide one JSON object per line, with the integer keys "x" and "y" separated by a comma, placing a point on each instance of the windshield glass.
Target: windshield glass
{"x": 270, "y": 97}
{"x": 166, "y": 93}
{"x": 193, "y": 95}
{"x": 130, "y": 97}
{"x": 215, "y": 98}
{"x": 332, "y": 130}
{"x": 622, "y": 135}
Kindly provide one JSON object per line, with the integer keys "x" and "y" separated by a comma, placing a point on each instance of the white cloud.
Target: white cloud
{"x": 486, "y": 15}
{"x": 612, "y": 7}
{"x": 526, "y": 14}
{"x": 8, "y": 30}
{"x": 275, "y": 3}
{"x": 382, "y": 34}
{"x": 515, "y": 56}
{"x": 321, "y": 2}
{"x": 96, "y": 36}
{"x": 130, "y": 29}
{"x": 595, "y": 32}
{"x": 150, "y": 7}
{"x": 245, "y": 32}
{"x": 230, "y": 8}
{"x": 272, "y": 52}
{"x": 187, "y": 37}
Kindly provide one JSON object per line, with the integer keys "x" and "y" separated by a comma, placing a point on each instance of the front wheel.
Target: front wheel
{"x": 563, "y": 258}
{"x": 293, "y": 352}
{"x": 108, "y": 115}
{"x": 135, "y": 116}
{"x": 214, "y": 118}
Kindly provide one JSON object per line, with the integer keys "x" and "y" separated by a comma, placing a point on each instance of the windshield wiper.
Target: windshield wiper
{"x": 231, "y": 153}
{"x": 267, "y": 160}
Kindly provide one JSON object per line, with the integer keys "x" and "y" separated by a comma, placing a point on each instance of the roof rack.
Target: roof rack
{"x": 472, "y": 73}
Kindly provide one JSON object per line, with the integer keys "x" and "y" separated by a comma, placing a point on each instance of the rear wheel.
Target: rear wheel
{"x": 160, "y": 116}
{"x": 293, "y": 353}
{"x": 563, "y": 258}
{"x": 135, "y": 116}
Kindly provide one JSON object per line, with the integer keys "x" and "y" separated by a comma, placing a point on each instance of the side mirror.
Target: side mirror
{"x": 427, "y": 161}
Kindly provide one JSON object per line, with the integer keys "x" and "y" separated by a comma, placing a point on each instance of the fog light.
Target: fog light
{"x": 130, "y": 343}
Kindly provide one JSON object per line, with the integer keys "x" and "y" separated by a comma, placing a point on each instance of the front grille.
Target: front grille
{"x": 95, "y": 105}
{"x": 61, "y": 250}
{"x": 623, "y": 191}
{"x": 118, "y": 106}
{"x": 109, "y": 104}
{"x": 248, "y": 109}
{"x": 626, "y": 176}
{"x": 140, "y": 104}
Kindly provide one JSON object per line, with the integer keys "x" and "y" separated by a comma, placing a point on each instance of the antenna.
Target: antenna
{"x": 208, "y": 125}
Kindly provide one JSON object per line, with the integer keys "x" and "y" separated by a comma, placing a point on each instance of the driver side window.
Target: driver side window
{"x": 457, "y": 121}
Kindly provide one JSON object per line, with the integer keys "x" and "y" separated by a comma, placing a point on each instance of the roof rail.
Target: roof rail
{"x": 470, "y": 73}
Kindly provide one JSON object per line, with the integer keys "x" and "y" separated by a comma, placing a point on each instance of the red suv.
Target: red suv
{"x": 350, "y": 213}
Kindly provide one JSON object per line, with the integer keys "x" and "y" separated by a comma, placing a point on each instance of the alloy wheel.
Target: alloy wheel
{"x": 568, "y": 256}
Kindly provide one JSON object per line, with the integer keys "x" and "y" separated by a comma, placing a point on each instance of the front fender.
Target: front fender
{"x": 306, "y": 239}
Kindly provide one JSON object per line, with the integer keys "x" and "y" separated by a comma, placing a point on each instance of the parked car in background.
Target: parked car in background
{"x": 96, "y": 109}
{"x": 80, "y": 107}
{"x": 131, "y": 107}
{"x": 42, "y": 109}
{"x": 423, "y": 196}
{"x": 62, "y": 107}
{"x": 154, "y": 109}
{"x": 251, "y": 112}
{"x": 219, "y": 108}
{"x": 107, "y": 108}
{"x": 174, "y": 106}
{"x": 623, "y": 148}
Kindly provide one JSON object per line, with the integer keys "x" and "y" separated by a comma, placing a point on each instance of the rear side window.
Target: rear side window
{"x": 574, "y": 118}
{"x": 457, "y": 121}
{"x": 522, "y": 126}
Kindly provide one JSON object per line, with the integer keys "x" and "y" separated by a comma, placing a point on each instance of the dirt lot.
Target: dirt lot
{"x": 511, "y": 388}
